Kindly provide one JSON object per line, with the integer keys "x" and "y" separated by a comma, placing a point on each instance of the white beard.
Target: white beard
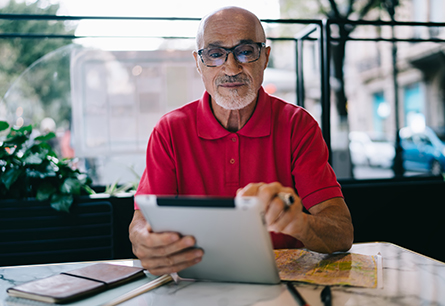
{"x": 233, "y": 101}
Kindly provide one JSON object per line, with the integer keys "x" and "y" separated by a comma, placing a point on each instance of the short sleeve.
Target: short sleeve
{"x": 315, "y": 180}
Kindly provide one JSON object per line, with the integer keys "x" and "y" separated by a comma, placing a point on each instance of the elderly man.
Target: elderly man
{"x": 238, "y": 140}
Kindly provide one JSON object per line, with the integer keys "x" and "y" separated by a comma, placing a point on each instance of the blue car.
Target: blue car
{"x": 422, "y": 151}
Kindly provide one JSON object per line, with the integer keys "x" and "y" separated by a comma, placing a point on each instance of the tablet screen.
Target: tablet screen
{"x": 185, "y": 201}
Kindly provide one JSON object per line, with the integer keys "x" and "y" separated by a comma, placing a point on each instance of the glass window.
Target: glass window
{"x": 413, "y": 104}
{"x": 103, "y": 96}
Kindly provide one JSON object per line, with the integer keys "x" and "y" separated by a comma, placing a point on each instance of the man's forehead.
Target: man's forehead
{"x": 228, "y": 37}
{"x": 230, "y": 27}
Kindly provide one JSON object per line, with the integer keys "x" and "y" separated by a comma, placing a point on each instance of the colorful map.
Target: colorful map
{"x": 347, "y": 269}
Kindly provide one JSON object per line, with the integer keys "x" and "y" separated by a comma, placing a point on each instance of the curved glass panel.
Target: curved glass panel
{"x": 102, "y": 104}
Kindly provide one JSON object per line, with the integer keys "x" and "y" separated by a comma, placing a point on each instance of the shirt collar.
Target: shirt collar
{"x": 257, "y": 126}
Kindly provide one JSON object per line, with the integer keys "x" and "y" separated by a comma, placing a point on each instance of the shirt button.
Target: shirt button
{"x": 234, "y": 139}
{"x": 232, "y": 161}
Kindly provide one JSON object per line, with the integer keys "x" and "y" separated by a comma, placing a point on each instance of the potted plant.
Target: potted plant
{"x": 29, "y": 168}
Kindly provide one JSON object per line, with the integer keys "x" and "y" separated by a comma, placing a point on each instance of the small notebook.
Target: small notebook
{"x": 75, "y": 284}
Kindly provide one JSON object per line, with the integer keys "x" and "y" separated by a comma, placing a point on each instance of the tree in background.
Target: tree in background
{"x": 51, "y": 83}
{"x": 340, "y": 10}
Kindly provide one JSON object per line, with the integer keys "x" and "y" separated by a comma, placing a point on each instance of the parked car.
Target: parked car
{"x": 370, "y": 151}
{"x": 422, "y": 151}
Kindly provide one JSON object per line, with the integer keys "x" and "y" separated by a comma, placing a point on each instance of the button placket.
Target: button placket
{"x": 232, "y": 155}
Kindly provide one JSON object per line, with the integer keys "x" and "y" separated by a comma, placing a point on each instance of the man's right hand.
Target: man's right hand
{"x": 162, "y": 253}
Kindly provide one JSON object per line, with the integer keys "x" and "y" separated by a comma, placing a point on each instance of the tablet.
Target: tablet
{"x": 232, "y": 232}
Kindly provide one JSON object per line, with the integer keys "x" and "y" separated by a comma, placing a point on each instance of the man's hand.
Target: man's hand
{"x": 279, "y": 217}
{"x": 162, "y": 253}
{"x": 327, "y": 229}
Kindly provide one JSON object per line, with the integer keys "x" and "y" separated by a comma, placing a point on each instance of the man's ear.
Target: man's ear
{"x": 267, "y": 52}
{"x": 196, "y": 56}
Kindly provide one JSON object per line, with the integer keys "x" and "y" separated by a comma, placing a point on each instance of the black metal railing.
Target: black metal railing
{"x": 318, "y": 30}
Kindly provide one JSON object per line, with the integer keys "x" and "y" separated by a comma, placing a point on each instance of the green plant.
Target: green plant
{"x": 115, "y": 189}
{"x": 30, "y": 168}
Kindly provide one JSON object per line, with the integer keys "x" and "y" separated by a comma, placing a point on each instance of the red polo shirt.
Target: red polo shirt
{"x": 190, "y": 153}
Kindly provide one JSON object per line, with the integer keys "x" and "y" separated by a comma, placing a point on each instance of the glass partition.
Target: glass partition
{"x": 102, "y": 94}
{"x": 395, "y": 100}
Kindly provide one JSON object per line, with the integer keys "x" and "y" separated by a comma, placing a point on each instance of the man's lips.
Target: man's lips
{"x": 231, "y": 85}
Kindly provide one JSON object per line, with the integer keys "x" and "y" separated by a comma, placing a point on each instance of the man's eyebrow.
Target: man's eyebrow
{"x": 215, "y": 44}
{"x": 246, "y": 41}
{"x": 221, "y": 44}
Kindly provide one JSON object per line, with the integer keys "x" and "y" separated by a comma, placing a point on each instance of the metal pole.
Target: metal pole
{"x": 300, "y": 36}
{"x": 397, "y": 167}
{"x": 324, "y": 45}
{"x": 300, "y": 76}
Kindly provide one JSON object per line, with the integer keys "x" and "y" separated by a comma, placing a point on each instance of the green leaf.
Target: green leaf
{"x": 4, "y": 154}
{"x": 10, "y": 176}
{"x": 51, "y": 169}
{"x": 88, "y": 189}
{"x": 17, "y": 140}
{"x": 3, "y": 125}
{"x": 46, "y": 137}
{"x": 33, "y": 159}
{"x": 71, "y": 186}
{"x": 45, "y": 191}
{"x": 62, "y": 202}
{"x": 39, "y": 174}
{"x": 83, "y": 178}
{"x": 110, "y": 189}
{"x": 24, "y": 129}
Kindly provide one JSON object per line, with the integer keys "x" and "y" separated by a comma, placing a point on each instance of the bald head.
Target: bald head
{"x": 229, "y": 19}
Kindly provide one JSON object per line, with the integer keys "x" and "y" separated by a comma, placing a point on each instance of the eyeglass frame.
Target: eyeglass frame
{"x": 230, "y": 50}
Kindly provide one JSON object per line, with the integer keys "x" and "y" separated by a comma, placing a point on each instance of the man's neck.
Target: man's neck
{"x": 233, "y": 120}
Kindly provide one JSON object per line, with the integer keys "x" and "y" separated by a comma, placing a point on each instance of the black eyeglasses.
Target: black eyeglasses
{"x": 243, "y": 53}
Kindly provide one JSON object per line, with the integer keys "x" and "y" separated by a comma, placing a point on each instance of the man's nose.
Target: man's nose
{"x": 232, "y": 66}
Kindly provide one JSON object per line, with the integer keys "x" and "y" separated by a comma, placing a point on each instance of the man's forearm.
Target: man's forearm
{"x": 328, "y": 229}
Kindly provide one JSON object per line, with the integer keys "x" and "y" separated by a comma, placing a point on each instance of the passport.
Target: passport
{"x": 76, "y": 284}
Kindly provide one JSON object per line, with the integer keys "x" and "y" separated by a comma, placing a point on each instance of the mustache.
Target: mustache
{"x": 232, "y": 79}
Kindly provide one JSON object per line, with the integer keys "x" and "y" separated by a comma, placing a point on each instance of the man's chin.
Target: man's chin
{"x": 233, "y": 103}
{"x": 231, "y": 106}
{"x": 235, "y": 93}
{"x": 235, "y": 98}
{"x": 230, "y": 91}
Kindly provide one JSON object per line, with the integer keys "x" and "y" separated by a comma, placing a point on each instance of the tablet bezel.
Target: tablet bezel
{"x": 231, "y": 231}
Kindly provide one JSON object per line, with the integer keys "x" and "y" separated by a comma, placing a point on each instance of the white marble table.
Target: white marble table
{"x": 408, "y": 279}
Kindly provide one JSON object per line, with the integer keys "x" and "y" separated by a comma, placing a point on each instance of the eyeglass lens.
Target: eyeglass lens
{"x": 244, "y": 53}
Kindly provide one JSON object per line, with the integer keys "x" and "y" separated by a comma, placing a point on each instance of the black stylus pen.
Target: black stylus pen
{"x": 326, "y": 296}
{"x": 296, "y": 294}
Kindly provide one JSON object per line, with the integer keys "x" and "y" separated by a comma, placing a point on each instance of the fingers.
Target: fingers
{"x": 162, "y": 253}
{"x": 279, "y": 217}
{"x": 275, "y": 209}
{"x": 284, "y": 221}
{"x": 266, "y": 192}
{"x": 161, "y": 248}
{"x": 164, "y": 239}
{"x": 174, "y": 262}
{"x": 249, "y": 190}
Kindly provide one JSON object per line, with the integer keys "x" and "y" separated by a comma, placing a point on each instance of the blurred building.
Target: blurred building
{"x": 421, "y": 77}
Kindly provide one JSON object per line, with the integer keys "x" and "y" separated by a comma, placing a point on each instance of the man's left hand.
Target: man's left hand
{"x": 280, "y": 218}
{"x": 326, "y": 229}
